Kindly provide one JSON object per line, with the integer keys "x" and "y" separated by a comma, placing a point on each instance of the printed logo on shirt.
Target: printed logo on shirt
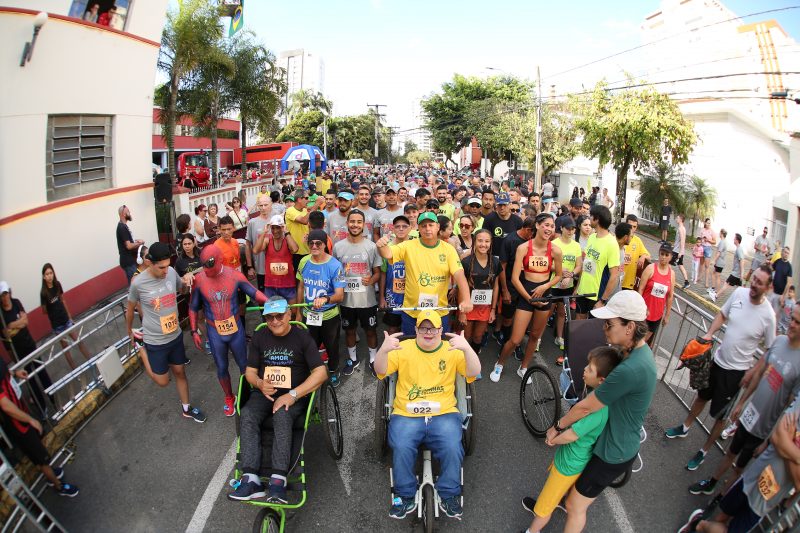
{"x": 442, "y": 366}
{"x": 426, "y": 280}
{"x": 442, "y": 258}
{"x": 416, "y": 391}
{"x": 498, "y": 232}
{"x": 278, "y": 356}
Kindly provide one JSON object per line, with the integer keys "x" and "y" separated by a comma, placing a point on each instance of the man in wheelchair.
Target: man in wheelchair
{"x": 284, "y": 365}
{"x": 424, "y": 410}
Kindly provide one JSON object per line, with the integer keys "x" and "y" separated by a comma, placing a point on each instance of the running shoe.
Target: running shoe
{"x": 350, "y": 367}
{"x": 195, "y": 414}
{"x": 277, "y": 491}
{"x": 676, "y": 433}
{"x": 495, "y": 375}
{"x": 372, "y": 369}
{"x": 59, "y": 473}
{"x": 704, "y": 486}
{"x": 695, "y": 462}
{"x": 521, "y": 373}
{"x": 528, "y": 503}
{"x": 538, "y": 345}
{"x": 518, "y": 353}
{"x": 207, "y": 346}
{"x": 402, "y": 506}
{"x": 685, "y": 284}
{"x": 559, "y": 342}
{"x": 70, "y": 491}
{"x": 729, "y": 431}
{"x": 334, "y": 381}
{"x": 498, "y": 336}
{"x": 247, "y": 490}
{"x": 229, "y": 408}
{"x": 451, "y": 507}
{"x": 691, "y": 524}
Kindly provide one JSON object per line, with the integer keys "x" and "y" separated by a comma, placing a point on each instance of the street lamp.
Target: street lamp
{"x": 27, "y": 52}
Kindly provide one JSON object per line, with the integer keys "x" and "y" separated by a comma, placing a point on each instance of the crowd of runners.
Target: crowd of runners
{"x": 458, "y": 261}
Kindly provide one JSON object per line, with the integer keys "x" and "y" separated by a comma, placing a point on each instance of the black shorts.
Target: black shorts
{"x": 743, "y": 446}
{"x": 652, "y": 325}
{"x": 584, "y": 305}
{"x": 722, "y": 387}
{"x": 524, "y": 305}
{"x": 736, "y": 504}
{"x": 733, "y": 281}
{"x": 507, "y": 309}
{"x": 352, "y": 316}
{"x": 30, "y": 444}
{"x": 598, "y": 475}
{"x": 717, "y": 269}
{"x": 393, "y": 320}
{"x": 162, "y": 356}
{"x": 663, "y": 225}
{"x": 677, "y": 260}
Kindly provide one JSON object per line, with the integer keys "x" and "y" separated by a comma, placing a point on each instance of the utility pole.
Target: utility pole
{"x": 377, "y": 126}
{"x": 325, "y": 135}
{"x": 538, "y": 180}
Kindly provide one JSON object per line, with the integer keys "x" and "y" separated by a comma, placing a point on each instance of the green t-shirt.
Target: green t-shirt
{"x": 600, "y": 253}
{"x": 571, "y": 458}
{"x": 627, "y": 391}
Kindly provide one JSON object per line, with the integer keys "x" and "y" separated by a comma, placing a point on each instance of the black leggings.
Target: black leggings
{"x": 328, "y": 334}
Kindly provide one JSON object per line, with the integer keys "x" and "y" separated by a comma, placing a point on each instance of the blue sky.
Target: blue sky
{"x": 391, "y": 52}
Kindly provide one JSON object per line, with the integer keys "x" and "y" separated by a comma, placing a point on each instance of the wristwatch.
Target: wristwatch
{"x": 293, "y": 393}
{"x": 604, "y": 300}
{"x": 556, "y": 426}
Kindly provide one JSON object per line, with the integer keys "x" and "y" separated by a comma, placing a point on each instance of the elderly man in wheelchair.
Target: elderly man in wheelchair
{"x": 284, "y": 367}
{"x": 424, "y": 411}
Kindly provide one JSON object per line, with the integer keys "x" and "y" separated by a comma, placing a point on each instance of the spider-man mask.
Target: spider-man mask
{"x": 211, "y": 259}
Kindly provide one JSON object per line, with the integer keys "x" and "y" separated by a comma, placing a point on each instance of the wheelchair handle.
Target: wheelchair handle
{"x": 292, "y": 322}
{"x": 559, "y": 298}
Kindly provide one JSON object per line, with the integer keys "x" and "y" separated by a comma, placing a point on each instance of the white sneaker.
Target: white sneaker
{"x": 521, "y": 373}
{"x": 538, "y": 344}
{"x": 729, "y": 431}
{"x": 495, "y": 375}
{"x": 559, "y": 342}
{"x": 712, "y": 295}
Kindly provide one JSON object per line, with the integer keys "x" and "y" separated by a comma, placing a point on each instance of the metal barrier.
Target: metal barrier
{"x": 784, "y": 517}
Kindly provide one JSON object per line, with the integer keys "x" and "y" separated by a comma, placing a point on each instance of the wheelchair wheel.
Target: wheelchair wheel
{"x": 428, "y": 508}
{"x": 470, "y": 434}
{"x": 331, "y": 420}
{"x": 267, "y": 521}
{"x": 381, "y": 419}
{"x": 539, "y": 401}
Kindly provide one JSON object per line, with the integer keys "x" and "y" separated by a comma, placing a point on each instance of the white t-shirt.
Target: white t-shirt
{"x": 547, "y": 190}
{"x": 747, "y": 326}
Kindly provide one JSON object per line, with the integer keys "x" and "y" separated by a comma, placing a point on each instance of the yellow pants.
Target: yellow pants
{"x": 554, "y": 489}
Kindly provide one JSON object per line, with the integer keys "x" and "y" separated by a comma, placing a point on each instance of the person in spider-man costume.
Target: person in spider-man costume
{"x": 215, "y": 288}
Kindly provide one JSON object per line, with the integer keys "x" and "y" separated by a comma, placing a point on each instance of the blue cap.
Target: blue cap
{"x": 345, "y": 195}
{"x": 502, "y": 198}
{"x": 275, "y": 305}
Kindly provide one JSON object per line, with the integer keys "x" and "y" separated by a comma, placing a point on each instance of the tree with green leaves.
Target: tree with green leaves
{"x": 307, "y": 100}
{"x": 631, "y": 129}
{"x": 409, "y": 146}
{"x": 658, "y": 181}
{"x": 415, "y": 157}
{"x": 188, "y": 38}
{"x": 700, "y": 200}
{"x": 303, "y": 129}
{"x": 559, "y": 145}
{"x": 355, "y": 136}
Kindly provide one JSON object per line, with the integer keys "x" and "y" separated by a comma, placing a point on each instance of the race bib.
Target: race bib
{"x": 354, "y": 286}
{"x": 227, "y": 326}
{"x": 538, "y": 262}
{"x": 279, "y": 376}
{"x": 749, "y": 417}
{"x": 427, "y": 300}
{"x": 169, "y": 323}
{"x": 423, "y": 408}
{"x": 664, "y": 217}
{"x": 589, "y": 267}
{"x": 399, "y": 285}
{"x": 767, "y": 485}
{"x": 314, "y": 318}
{"x": 659, "y": 290}
{"x": 481, "y": 297}
{"x": 279, "y": 269}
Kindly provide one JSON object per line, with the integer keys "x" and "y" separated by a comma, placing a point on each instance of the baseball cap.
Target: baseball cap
{"x": 474, "y": 201}
{"x": 159, "y": 251}
{"x": 502, "y": 198}
{"x": 666, "y": 247}
{"x": 427, "y": 216}
{"x": 567, "y": 222}
{"x": 4, "y": 287}
{"x": 320, "y": 235}
{"x": 433, "y": 316}
{"x": 432, "y": 204}
{"x": 289, "y": 198}
{"x": 275, "y": 305}
{"x": 401, "y": 218}
{"x": 345, "y": 195}
{"x": 276, "y": 220}
{"x": 628, "y": 305}
{"x": 576, "y": 202}
{"x": 390, "y": 190}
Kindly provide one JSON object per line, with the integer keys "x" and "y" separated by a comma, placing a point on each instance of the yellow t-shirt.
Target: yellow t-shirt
{"x": 425, "y": 380}
{"x": 323, "y": 185}
{"x": 428, "y": 271}
{"x": 298, "y": 231}
{"x": 633, "y": 252}
{"x": 447, "y": 210}
{"x": 600, "y": 253}
{"x": 569, "y": 258}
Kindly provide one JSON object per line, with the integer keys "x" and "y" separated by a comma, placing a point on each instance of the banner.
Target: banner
{"x": 237, "y": 20}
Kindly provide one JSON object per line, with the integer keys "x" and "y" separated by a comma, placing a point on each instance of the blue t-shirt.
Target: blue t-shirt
{"x": 395, "y": 283}
{"x": 320, "y": 279}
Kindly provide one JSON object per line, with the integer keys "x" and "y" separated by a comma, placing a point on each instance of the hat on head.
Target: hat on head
{"x": 158, "y": 251}
{"x": 567, "y": 222}
{"x": 427, "y": 216}
{"x": 319, "y": 235}
{"x": 503, "y": 198}
{"x": 275, "y": 305}
{"x": 390, "y": 190}
{"x": 628, "y": 305}
{"x": 432, "y": 316}
{"x": 401, "y": 218}
{"x": 345, "y": 195}
{"x": 432, "y": 204}
{"x": 576, "y": 202}
{"x": 4, "y": 287}
{"x": 289, "y": 198}
{"x": 276, "y": 220}
{"x": 548, "y": 200}
{"x": 474, "y": 201}
{"x": 666, "y": 248}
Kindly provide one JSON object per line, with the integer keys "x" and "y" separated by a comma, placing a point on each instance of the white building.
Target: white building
{"x": 304, "y": 70}
{"x": 75, "y": 144}
{"x": 420, "y": 135}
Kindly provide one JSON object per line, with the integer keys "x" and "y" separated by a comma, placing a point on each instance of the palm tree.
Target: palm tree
{"x": 701, "y": 200}
{"x": 660, "y": 181}
{"x": 308, "y": 100}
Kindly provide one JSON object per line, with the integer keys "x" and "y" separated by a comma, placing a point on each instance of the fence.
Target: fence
{"x": 188, "y": 201}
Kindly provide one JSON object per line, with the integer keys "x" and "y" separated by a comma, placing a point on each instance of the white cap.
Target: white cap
{"x": 276, "y": 220}
{"x": 4, "y": 287}
{"x": 628, "y": 305}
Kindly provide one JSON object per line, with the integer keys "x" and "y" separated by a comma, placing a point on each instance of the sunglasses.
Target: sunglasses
{"x": 274, "y": 318}
{"x": 315, "y": 244}
{"x": 515, "y": 210}
{"x": 466, "y": 226}
{"x": 210, "y": 263}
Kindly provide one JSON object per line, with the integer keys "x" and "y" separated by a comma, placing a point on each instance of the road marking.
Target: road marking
{"x": 206, "y": 503}
{"x": 618, "y": 511}
{"x": 359, "y": 420}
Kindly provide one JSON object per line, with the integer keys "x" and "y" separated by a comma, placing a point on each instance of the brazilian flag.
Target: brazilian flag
{"x": 237, "y": 20}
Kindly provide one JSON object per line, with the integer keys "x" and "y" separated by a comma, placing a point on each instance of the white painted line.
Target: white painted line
{"x": 206, "y": 503}
{"x": 618, "y": 511}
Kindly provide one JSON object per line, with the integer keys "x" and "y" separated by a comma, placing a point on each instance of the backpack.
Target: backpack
{"x": 697, "y": 357}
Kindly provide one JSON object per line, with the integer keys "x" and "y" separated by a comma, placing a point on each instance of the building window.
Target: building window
{"x": 78, "y": 155}
{"x": 111, "y": 13}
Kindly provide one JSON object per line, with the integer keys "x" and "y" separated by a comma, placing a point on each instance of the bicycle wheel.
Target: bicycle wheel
{"x": 428, "y": 510}
{"x": 539, "y": 400}
{"x": 331, "y": 420}
{"x": 381, "y": 419}
{"x": 267, "y": 521}
{"x": 469, "y": 435}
